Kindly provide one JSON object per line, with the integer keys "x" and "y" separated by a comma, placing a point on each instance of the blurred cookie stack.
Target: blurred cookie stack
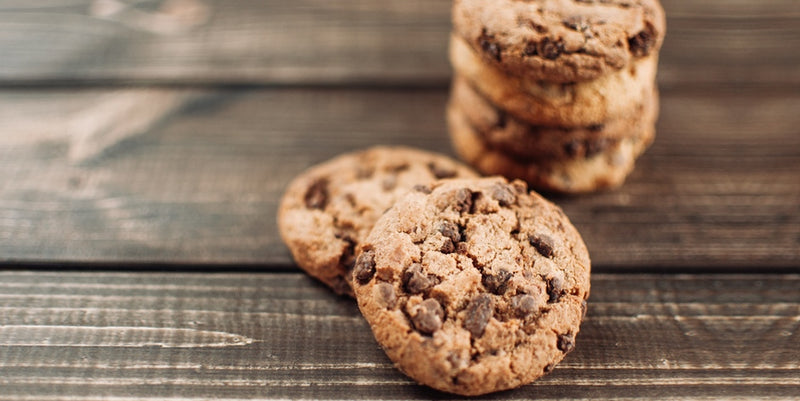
{"x": 560, "y": 93}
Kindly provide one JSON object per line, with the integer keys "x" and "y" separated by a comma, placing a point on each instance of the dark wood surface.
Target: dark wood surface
{"x": 245, "y": 336}
{"x": 710, "y": 43}
{"x": 144, "y": 146}
{"x": 719, "y": 189}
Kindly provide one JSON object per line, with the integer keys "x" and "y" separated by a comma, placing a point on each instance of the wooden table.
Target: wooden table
{"x": 144, "y": 146}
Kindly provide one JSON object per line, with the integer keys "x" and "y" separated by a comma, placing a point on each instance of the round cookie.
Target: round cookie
{"x": 330, "y": 208}
{"x": 473, "y": 287}
{"x": 603, "y": 170}
{"x": 502, "y": 131}
{"x": 560, "y": 41}
{"x": 609, "y": 97}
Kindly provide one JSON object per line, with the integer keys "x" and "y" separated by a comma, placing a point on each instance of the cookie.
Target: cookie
{"x": 605, "y": 169}
{"x": 329, "y": 209}
{"x": 609, "y": 97}
{"x": 502, "y": 131}
{"x": 473, "y": 286}
{"x": 560, "y": 41}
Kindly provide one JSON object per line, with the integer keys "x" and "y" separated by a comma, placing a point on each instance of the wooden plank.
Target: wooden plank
{"x": 199, "y": 184}
{"x": 711, "y": 43}
{"x": 98, "y": 335}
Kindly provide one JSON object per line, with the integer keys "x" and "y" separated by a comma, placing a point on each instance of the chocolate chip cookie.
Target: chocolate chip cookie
{"x": 328, "y": 210}
{"x": 504, "y": 132}
{"x": 560, "y": 41}
{"x": 606, "y": 168}
{"x": 473, "y": 285}
{"x": 609, "y": 97}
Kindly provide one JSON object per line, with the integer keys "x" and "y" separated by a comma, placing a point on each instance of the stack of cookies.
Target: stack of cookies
{"x": 471, "y": 285}
{"x": 560, "y": 93}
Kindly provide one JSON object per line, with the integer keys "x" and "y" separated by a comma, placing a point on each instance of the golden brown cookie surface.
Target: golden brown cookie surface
{"x": 330, "y": 208}
{"x": 473, "y": 285}
{"x": 609, "y": 97}
{"x": 604, "y": 169}
{"x": 506, "y": 133}
{"x": 560, "y": 41}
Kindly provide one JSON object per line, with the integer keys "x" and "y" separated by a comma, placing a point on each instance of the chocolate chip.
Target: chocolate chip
{"x": 475, "y": 202}
{"x": 573, "y": 148}
{"x": 415, "y": 281}
{"x": 422, "y": 188}
{"x": 543, "y": 244}
{"x": 365, "y": 267}
{"x": 428, "y": 317}
{"x": 386, "y": 295}
{"x": 641, "y": 43}
{"x": 596, "y": 127}
{"x": 555, "y": 289}
{"x": 550, "y": 49}
{"x": 447, "y": 246}
{"x": 348, "y": 255}
{"x": 316, "y": 196}
{"x": 577, "y": 23}
{"x": 497, "y": 283}
{"x": 533, "y": 25}
{"x": 566, "y": 342}
{"x": 351, "y": 199}
{"x": 463, "y": 200}
{"x": 504, "y": 194}
{"x": 440, "y": 172}
{"x": 450, "y": 230}
{"x": 389, "y": 183}
{"x": 489, "y": 46}
{"x": 530, "y": 49}
{"x": 524, "y": 305}
{"x": 502, "y": 119}
{"x": 596, "y": 146}
{"x": 479, "y": 311}
{"x": 364, "y": 173}
{"x": 399, "y": 167}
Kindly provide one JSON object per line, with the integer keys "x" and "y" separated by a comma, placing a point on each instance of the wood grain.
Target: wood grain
{"x": 243, "y": 336}
{"x": 160, "y": 134}
{"x": 400, "y": 42}
{"x": 718, "y": 190}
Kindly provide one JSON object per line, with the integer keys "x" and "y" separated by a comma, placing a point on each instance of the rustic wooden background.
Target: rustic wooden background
{"x": 144, "y": 145}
